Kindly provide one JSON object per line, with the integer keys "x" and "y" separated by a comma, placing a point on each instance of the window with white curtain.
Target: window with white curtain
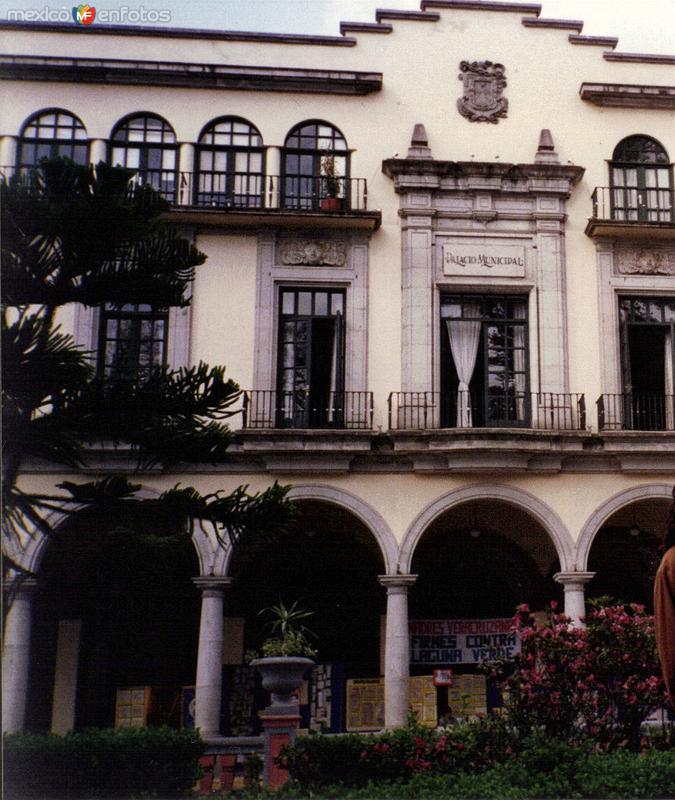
{"x": 484, "y": 361}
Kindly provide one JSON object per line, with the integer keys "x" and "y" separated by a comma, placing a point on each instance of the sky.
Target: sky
{"x": 641, "y": 25}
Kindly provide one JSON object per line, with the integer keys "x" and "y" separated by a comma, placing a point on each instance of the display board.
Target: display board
{"x": 365, "y": 702}
{"x": 462, "y": 641}
{"x": 467, "y": 696}
{"x": 132, "y": 704}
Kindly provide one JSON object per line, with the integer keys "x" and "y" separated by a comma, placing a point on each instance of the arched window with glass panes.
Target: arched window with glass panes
{"x": 315, "y": 168}
{"x": 230, "y": 161}
{"x": 147, "y": 144}
{"x": 641, "y": 181}
{"x": 53, "y": 133}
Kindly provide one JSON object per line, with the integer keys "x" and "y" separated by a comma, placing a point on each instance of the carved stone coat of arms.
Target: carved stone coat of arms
{"x": 483, "y": 86}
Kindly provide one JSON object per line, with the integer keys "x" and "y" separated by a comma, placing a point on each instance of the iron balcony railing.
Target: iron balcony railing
{"x": 268, "y": 408}
{"x": 636, "y": 412}
{"x": 633, "y": 204}
{"x": 540, "y": 410}
{"x": 245, "y": 191}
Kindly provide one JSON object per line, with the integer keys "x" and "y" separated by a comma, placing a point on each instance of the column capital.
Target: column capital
{"x": 212, "y": 585}
{"x": 573, "y": 579}
{"x": 19, "y": 585}
{"x": 396, "y": 584}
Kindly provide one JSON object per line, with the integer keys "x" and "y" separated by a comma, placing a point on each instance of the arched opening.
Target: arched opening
{"x": 147, "y": 144}
{"x": 53, "y": 133}
{"x": 230, "y": 161}
{"x": 328, "y": 562}
{"x": 626, "y": 551}
{"x": 115, "y": 608}
{"x": 641, "y": 180}
{"x": 315, "y": 167}
{"x": 475, "y": 563}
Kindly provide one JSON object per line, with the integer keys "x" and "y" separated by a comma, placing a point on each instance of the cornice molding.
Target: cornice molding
{"x": 188, "y": 75}
{"x": 176, "y": 33}
{"x": 626, "y": 95}
{"x": 640, "y": 58}
{"x": 396, "y": 168}
{"x": 482, "y": 5}
{"x": 562, "y": 24}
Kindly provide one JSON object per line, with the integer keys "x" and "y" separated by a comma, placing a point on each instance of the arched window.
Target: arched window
{"x": 147, "y": 144}
{"x": 315, "y": 167}
{"x": 230, "y": 165}
{"x": 641, "y": 179}
{"x": 50, "y": 134}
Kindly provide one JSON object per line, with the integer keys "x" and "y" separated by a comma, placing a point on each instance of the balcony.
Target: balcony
{"x": 248, "y": 199}
{"x": 629, "y": 212}
{"x": 547, "y": 411}
{"x": 265, "y": 409}
{"x": 636, "y": 412}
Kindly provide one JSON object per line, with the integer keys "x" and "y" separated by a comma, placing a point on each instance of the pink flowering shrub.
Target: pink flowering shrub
{"x": 601, "y": 680}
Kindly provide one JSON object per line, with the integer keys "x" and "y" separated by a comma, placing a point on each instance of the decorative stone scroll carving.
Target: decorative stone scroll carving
{"x": 483, "y": 86}
{"x": 314, "y": 252}
{"x": 638, "y": 261}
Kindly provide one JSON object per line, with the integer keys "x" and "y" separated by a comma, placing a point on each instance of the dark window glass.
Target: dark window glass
{"x": 230, "y": 165}
{"x": 647, "y": 330}
{"x": 147, "y": 144}
{"x": 310, "y": 376}
{"x": 641, "y": 181}
{"x": 315, "y": 168}
{"x": 52, "y": 134}
{"x": 132, "y": 341}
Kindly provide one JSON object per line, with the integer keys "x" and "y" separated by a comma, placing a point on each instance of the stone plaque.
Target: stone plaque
{"x": 313, "y": 252}
{"x": 484, "y": 259}
{"x": 644, "y": 261}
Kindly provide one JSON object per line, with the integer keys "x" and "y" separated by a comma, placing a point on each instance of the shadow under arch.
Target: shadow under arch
{"x": 30, "y": 553}
{"x": 650, "y": 491}
{"x": 551, "y": 523}
{"x": 365, "y": 513}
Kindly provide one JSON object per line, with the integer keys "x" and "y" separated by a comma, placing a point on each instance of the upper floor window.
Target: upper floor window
{"x": 147, "y": 144}
{"x": 230, "y": 165}
{"x": 647, "y": 330}
{"x": 310, "y": 373}
{"x": 52, "y": 134}
{"x": 132, "y": 341}
{"x": 484, "y": 361}
{"x": 315, "y": 168}
{"x": 641, "y": 181}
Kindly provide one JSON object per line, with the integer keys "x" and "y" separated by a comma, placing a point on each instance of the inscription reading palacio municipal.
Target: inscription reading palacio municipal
{"x": 484, "y": 259}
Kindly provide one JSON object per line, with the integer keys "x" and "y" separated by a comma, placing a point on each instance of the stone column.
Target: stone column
{"x": 186, "y": 174}
{"x": 16, "y": 656}
{"x": 397, "y": 649}
{"x": 98, "y": 151}
{"x": 575, "y": 600}
{"x": 208, "y": 684}
{"x": 8, "y": 148}
{"x": 272, "y": 198}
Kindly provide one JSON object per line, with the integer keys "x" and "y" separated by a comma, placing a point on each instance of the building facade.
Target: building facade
{"x": 441, "y": 264}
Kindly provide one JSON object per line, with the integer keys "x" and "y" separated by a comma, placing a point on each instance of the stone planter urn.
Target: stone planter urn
{"x": 281, "y": 676}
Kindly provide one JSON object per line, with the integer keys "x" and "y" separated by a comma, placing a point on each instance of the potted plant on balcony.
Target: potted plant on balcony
{"x": 330, "y": 184}
{"x": 286, "y": 655}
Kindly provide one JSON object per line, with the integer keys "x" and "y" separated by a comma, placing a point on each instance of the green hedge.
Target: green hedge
{"x": 596, "y": 775}
{"x": 102, "y": 763}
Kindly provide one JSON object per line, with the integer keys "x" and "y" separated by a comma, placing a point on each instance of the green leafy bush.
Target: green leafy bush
{"x": 102, "y": 763}
{"x": 557, "y": 772}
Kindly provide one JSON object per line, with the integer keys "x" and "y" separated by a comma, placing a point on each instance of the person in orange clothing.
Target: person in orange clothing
{"x": 664, "y": 608}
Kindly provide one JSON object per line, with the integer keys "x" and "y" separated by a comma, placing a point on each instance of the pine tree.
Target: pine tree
{"x": 76, "y": 234}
